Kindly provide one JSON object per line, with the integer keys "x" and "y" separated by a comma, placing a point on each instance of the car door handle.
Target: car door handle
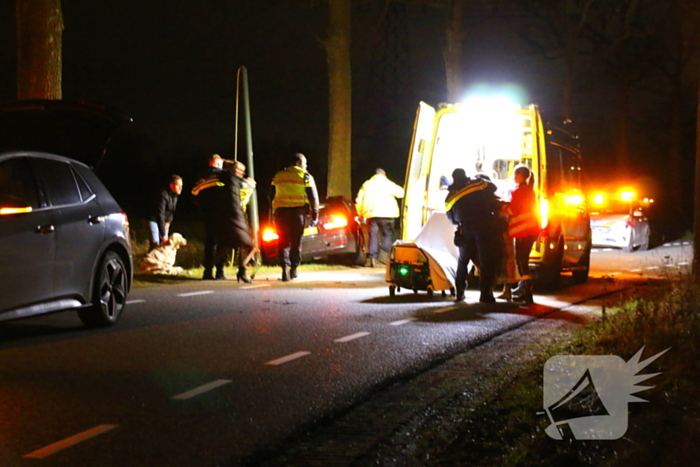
{"x": 45, "y": 229}
{"x": 92, "y": 220}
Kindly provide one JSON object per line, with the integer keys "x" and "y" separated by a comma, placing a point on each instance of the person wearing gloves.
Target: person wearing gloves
{"x": 376, "y": 202}
{"x": 293, "y": 195}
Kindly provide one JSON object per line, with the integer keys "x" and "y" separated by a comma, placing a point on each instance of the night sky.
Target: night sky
{"x": 171, "y": 65}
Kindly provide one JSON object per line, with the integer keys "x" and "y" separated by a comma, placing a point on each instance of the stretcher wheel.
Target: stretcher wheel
{"x": 392, "y": 290}
{"x": 430, "y": 291}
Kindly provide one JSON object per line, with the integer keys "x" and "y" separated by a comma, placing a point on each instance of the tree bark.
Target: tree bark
{"x": 454, "y": 44}
{"x": 340, "y": 98}
{"x": 696, "y": 214}
{"x": 39, "y": 25}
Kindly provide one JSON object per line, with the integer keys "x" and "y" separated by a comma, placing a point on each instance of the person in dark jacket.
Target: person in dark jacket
{"x": 236, "y": 232}
{"x": 162, "y": 212}
{"x": 472, "y": 206}
{"x": 217, "y": 193}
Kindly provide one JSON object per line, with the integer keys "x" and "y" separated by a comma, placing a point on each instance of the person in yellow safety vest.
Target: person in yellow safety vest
{"x": 376, "y": 202}
{"x": 293, "y": 195}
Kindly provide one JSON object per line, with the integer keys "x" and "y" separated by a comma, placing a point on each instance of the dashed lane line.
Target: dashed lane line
{"x": 351, "y": 337}
{"x": 653, "y": 267}
{"x": 201, "y": 389}
{"x": 132, "y": 302}
{"x": 257, "y": 286}
{"x": 288, "y": 358}
{"x": 402, "y": 321}
{"x": 71, "y": 441}
{"x": 192, "y": 294}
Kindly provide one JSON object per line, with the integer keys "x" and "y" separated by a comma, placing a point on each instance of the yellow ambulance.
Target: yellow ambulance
{"x": 492, "y": 136}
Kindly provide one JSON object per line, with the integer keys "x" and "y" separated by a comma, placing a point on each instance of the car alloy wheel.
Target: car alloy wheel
{"x": 109, "y": 295}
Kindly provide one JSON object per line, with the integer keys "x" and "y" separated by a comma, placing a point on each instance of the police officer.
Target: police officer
{"x": 376, "y": 202}
{"x": 294, "y": 193}
{"x": 472, "y": 206}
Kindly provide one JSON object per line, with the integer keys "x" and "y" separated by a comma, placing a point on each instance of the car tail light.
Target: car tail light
{"x": 335, "y": 222}
{"x": 269, "y": 235}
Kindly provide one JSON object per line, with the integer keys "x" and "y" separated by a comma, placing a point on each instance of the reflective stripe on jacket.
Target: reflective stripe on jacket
{"x": 290, "y": 187}
{"x": 377, "y": 198}
{"x": 471, "y": 186}
{"x": 522, "y": 212}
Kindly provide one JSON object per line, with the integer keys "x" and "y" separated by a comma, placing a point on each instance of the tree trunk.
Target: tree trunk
{"x": 454, "y": 44}
{"x": 39, "y": 25}
{"x": 622, "y": 128}
{"x": 696, "y": 216}
{"x": 340, "y": 99}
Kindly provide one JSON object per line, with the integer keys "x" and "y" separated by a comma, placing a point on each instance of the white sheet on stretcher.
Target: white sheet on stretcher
{"x": 436, "y": 241}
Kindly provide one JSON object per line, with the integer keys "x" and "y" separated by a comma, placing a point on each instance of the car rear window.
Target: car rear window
{"x": 58, "y": 181}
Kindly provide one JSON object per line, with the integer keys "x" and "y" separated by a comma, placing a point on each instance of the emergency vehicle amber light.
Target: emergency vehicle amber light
{"x": 7, "y": 211}
{"x": 544, "y": 213}
{"x": 574, "y": 200}
{"x": 336, "y": 222}
{"x": 269, "y": 235}
{"x": 627, "y": 195}
{"x": 598, "y": 199}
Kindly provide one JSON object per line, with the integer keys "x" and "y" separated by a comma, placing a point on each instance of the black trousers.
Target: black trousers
{"x": 289, "y": 223}
{"x": 522, "y": 254}
{"x": 479, "y": 244}
{"x": 386, "y": 225}
{"x": 210, "y": 250}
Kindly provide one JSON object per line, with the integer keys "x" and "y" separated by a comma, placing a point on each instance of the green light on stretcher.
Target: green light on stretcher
{"x": 403, "y": 270}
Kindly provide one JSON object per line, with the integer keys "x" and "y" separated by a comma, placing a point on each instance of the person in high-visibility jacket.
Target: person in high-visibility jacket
{"x": 293, "y": 195}
{"x": 524, "y": 228}
{"x": 376, "y": 202}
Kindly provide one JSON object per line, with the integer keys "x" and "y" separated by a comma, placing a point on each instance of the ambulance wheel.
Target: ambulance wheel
{"x": 392, "y": 290}
{"x": 430, "y": 292}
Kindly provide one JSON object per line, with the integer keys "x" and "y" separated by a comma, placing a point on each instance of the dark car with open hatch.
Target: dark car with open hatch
{"x": 64, "y": 240}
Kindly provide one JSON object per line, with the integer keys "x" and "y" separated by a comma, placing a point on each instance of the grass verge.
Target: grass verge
{"x": 508, "y": 431}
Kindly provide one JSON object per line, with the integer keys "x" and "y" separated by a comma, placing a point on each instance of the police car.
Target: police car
{"x": 337, "y": 236}
{"x": 619, "y": 220}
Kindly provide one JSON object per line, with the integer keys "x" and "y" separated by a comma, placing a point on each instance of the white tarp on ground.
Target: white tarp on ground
{"x": 436, "y": 241}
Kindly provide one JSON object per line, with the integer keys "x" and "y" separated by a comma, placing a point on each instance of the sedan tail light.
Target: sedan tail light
{"x": 269, "y": 235}
{"x": 335, "y": 221}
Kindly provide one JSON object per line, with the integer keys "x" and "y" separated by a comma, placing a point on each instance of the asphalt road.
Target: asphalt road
{"x": 204, "y": 373}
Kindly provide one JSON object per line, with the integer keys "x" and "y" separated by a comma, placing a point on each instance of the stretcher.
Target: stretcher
{"x": 427, "y": 264}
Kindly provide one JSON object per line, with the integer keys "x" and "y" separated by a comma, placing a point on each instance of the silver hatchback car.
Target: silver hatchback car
{"x": 64, "y": 240}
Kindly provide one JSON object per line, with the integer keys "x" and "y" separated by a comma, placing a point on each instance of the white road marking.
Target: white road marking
{"x": 635, "y": 270}
{"x": 687, "y": 243}
{"x": 192, "y": 294}
{"x": 351, "y": 337}
{"x": 653, "y": 267}
{"x": 288, "y": 358}
{"x": 68, "y": 442}
{"x": 201, "y": 389}
{"x": 257, "y": 286}
{"x": 402, "y": 321}
{"x": 131, "y": 302}
{"x": 676, "y": 244}
{"x": 684, "y": 263}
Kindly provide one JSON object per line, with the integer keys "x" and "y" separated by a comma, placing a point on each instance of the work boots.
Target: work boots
{"x": 220, "y": 276}
{"x": 460, "y": 294}
{"x": 373, "y": 262}
{"x": 208, "y": 274}
{"x": 285, "y": 274}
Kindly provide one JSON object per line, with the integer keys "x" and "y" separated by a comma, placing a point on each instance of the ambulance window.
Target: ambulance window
{"x": 563, "y": 170}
